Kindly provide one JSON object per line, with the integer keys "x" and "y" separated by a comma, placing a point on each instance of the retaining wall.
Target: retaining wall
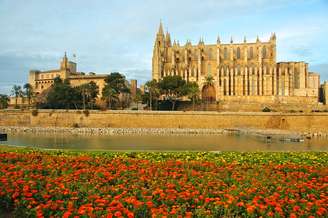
{"x": 305, "y": 122}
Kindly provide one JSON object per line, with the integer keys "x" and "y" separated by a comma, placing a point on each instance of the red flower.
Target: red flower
{"x": 296, "y": 208}
{"x": 67, "y": 214}
{"x": 321, "y": 211}
{"x": 118, "y": 214}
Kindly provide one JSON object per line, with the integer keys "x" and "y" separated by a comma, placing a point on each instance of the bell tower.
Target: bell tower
{"x": 158, "y": 51}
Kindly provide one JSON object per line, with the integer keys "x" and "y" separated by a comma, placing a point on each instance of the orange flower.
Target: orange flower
{"x": 250, "y": 208}
{"x": 240, "y": 204}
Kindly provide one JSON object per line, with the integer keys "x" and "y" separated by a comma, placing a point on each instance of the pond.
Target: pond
{"x": 162, "y": 143}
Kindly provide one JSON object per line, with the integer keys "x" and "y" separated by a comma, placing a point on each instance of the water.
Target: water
{"x": 162, "y": 143}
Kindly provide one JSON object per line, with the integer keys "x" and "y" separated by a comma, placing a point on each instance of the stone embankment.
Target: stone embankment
{"x": 112, "y": 131}
{"x": 262, "y": 133}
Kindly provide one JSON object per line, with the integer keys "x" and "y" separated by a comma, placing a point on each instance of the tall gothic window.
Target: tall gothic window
{"x": 264, "y": 52}
{"x": 210, "y": 53}
{"x": 251, "y": 53}
{"x": 225, "y": 87}
{"x": 225, "y": 53}
{"x": 209, "y": 69}
{"x": 238, "y": 53}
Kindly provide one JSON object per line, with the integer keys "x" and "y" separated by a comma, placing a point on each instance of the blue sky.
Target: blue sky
{"x": 112, "y": 35}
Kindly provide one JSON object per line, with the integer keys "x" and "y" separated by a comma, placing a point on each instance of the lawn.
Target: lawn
{"x": 185, "y": 184}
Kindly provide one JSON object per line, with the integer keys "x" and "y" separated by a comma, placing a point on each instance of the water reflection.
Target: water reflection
{"x": 164, "y": 143}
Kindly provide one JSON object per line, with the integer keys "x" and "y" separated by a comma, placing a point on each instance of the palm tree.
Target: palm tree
{"x": 28, "y": 92}
{"x": 193, "y": 92}
{"x": 111, "y": 94}
{"x": 153, "y": 90}
{"x": 209, "y": 81}
{"x": 17, "y": 92}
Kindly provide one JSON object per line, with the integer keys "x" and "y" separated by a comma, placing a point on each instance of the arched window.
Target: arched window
{"x": 238, "y": 53}
{"x": 225, "y": 53}
{"x": 264, "y": 52}
{"x": 225, "y": 87}
{"x": 251, "y": 53}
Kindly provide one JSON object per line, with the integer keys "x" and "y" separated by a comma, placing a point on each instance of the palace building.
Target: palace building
{"x": 246, "y": 70}
{"x": 42, "y": 80}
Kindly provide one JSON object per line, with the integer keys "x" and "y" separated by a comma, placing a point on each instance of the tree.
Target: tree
{"x": 89, "y": 92}
{"x": 115, "y": 85}
{"x": 138, "y": 97}
{"x": 4, "y": 101}
{"x": 173, "y": 87}
{"x": 17, "y": 92}
{"x": 193, "y": 92}
{"x": 63, "y": 96}
{"x": 110, "y": 94}
{"x": 28, "y": 92}
{"x": 152, "y": 87}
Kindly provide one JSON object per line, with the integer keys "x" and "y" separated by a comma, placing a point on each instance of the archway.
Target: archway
{"x": 209, "y": 94}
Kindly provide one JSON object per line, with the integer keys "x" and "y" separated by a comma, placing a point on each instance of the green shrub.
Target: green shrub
{"x": 35, "y": 112}
{"x": 86, "y": 113}
{"x": 266, "y": 109}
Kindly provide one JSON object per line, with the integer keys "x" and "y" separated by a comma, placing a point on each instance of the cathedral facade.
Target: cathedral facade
{"x": 242, "y": 70}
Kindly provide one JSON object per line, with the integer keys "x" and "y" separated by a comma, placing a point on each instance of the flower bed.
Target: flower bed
{"x": 68, "y": 184}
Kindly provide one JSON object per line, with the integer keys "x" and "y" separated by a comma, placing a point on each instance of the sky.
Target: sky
{"x": 108, "y": 35}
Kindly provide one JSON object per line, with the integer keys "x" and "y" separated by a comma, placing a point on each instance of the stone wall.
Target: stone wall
{"x": 258, "y": 103}
{"x": 302, "y": 122}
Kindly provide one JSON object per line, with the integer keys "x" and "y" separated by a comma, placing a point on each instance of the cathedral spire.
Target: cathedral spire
{"x": 168, "y": 39}
{"x": 174, "y": 43}
{"x": 218, "y": 41}
{"x": 257, "y": 39}
{"x": 273, "y": 37}
{"x": 245, "y": 39}
{"x": 231, "y": 40}
{"x": 160, "y": 29}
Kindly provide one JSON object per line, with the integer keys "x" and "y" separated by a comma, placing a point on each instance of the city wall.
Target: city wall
{"x": 301, "y": 122}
